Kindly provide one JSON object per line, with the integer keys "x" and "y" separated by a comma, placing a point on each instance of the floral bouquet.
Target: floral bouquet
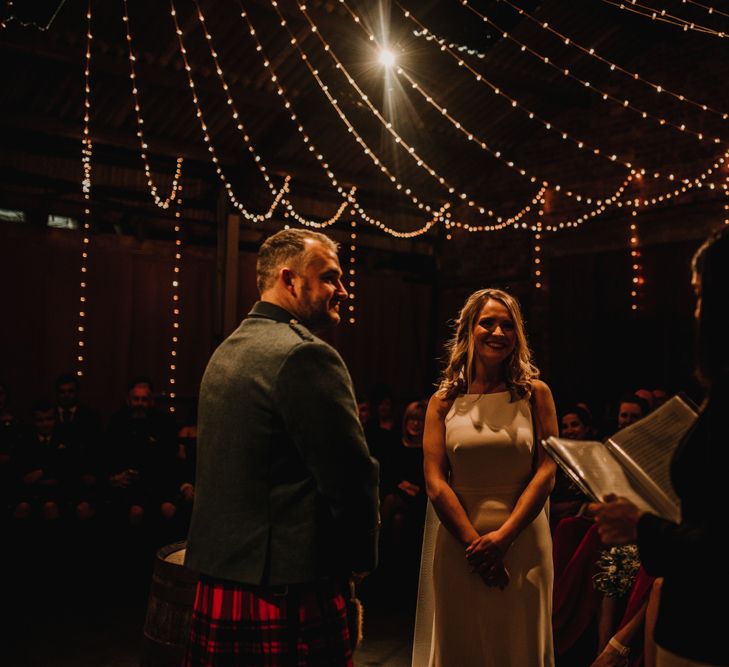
{"x": 618, "y": 567}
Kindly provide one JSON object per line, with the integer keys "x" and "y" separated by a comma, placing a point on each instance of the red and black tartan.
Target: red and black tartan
{"x": 299, "y": 626}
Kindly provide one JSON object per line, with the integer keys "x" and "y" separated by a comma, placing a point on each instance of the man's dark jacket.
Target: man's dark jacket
{"x": 286, "y": 491}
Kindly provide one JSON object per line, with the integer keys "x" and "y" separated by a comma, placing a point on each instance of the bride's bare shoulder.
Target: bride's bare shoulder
{"x": 439, "y": 404}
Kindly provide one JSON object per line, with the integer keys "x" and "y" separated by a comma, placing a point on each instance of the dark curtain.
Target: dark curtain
{"x": 600, "y": 349}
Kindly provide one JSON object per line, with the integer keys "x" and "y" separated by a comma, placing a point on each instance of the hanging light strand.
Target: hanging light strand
{"x": 143, "y": 147}
{"x": 86, "y": 154}
{"x": 537, "y": 253}
{"x": 352, "y": 271}
{"x": 698, "y": 182}
{"x": 176, "y": 304}
{"x": 514, "y": 220}
{"x": 623, "y": 103}
{"x": 311, "y": 147}
{"x": 592, "y": 53}
{"x": 637, "y": 279}
{"x": 461, "y": 48}
{"x": 709, "y": 9}
{"x": 252, "y": 217}
{"x": 663, "y": 16}
{"x": 289, "y": 209}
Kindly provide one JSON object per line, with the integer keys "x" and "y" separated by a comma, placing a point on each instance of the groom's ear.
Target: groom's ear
{"x": 287, "y": 276}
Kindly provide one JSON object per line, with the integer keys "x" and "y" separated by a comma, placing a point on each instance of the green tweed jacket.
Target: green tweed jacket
{"x": 286, "y": 491}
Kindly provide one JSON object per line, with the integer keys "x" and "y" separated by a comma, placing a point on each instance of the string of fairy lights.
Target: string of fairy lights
{"x": 461, "y": 48}
{"x": 352, "y": 269}
{"x": 537, "y": 253}
{"x": 163, "y": 203}
{"x": 86, "y": 185}
{"x": 289, "y": 211}
{"x": 592, "y": 52}
{"x": 86, "y": 154}
{"x": 637, "y": 279}
{"x": 176, "y": 305}
{"x": 664, "y": 16}
{"x": 708, "y": 8}
{"x": 624, "y": 102}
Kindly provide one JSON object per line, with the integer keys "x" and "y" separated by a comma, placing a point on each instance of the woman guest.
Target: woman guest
{"x": 488, "y": 479}
{"x": 403, "y": 507}
{"x": 404, "y": 504}
{"x": 566, "y": 498}
{"x": 690, "y": 555}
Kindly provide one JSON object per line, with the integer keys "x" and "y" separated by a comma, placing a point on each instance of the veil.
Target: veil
{"x": 423, "y": 636}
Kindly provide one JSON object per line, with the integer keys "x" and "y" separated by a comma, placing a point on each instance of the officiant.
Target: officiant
{"x": 689, "y": 555}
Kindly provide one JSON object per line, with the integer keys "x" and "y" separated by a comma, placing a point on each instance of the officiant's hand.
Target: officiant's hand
{"x": 617, "y": 520}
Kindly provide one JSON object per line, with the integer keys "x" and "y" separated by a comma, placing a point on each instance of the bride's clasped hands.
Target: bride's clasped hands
{"x": 485, "y": 555}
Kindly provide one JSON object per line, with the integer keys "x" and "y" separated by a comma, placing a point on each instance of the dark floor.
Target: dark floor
{"x": 79, "y": 599}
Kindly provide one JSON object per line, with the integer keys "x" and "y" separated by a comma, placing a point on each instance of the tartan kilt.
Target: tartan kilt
{"x": 234, "y": 625}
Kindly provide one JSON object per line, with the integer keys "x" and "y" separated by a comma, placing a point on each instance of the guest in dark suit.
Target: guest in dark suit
{"x": 286, "y": 503}
{"x": 141, "y": 458}
{"x": 690, "y": 629}
{"x": 80, "y": 427}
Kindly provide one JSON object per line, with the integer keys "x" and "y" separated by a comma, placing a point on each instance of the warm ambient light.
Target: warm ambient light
{"x": 386, "y": 57}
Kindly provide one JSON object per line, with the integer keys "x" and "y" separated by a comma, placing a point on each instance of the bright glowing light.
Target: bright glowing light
{"x": 386, "y": 57}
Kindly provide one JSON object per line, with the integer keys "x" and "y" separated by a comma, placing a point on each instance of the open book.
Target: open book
{"x": 635, "y": 462}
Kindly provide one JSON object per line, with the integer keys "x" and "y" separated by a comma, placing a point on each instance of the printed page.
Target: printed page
{"x": 646, "y": 448}
{"x": 591, "y": 465}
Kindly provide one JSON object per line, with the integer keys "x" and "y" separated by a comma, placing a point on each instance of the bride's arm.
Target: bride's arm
{"x": 445, "y": 502}
{"x": 532, "y": 499}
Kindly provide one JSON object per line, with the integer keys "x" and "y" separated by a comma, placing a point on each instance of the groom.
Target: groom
{"x": 286, "y": 503}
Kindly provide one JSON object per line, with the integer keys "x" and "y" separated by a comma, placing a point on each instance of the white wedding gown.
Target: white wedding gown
{"x": 461, "y": 622}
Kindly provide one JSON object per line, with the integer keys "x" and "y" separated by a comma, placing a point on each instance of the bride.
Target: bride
{"x": 486, "y": 573}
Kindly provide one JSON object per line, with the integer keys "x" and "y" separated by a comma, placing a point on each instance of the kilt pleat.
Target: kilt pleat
{"x": 238, "y": 626}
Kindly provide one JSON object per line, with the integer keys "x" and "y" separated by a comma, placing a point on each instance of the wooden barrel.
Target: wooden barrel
{"x": 169, "y": 608}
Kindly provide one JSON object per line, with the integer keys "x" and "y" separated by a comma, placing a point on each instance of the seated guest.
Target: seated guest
{"x": 80, "y": 427}
{"x": 10, "y": 432}
{"x": 404, "y": 505}
{"x": 382, "y": 438}
{"x": 141, "y": 457}
{"x": 566, "y": 498}
{"x": 384, "y": 407}
{"x": 630, "y": 409}
{"x": 74, "y": 420}
{"x": 647, "y": 396}
{"x": 660, "y": 396}
{"x": 364, "y": 411}
{"x": 46, "y": 468}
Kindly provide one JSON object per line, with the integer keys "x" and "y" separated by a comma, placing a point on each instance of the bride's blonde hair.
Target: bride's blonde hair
{"x": 519, "y": 371}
